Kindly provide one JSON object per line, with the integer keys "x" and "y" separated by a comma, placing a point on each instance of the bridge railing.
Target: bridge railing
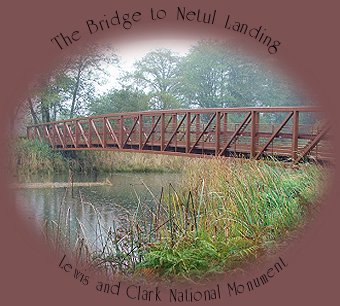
{"x": 294, "y": 133}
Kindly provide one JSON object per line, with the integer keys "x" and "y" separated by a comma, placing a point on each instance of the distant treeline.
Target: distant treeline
{"x": 211, "y": 74}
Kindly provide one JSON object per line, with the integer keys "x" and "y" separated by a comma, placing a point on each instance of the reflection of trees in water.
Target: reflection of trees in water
{"x": 94, "y": 210}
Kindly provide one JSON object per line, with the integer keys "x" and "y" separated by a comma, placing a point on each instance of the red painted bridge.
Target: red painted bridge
{"x": 290, "y": 133}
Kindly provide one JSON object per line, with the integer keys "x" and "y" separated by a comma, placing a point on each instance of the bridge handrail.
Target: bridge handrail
{"x": 191, "y": 110}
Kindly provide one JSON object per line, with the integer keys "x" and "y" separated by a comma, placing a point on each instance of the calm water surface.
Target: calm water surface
{"x": 91, "y": 210}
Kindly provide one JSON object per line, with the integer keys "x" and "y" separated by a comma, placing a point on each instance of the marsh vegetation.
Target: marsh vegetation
{"x": 212, "y": 216}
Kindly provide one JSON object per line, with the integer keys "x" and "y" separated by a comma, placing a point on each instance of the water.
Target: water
{"x": 91, "y": 211}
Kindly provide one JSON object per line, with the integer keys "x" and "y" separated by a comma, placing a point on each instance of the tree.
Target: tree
{"x": 66, "y": 92}
{"x": 52, "y": 95}
{"x": 204, "y": 76}
{"x": 212, "y": 75}
{"x": 116, "y": 101}
{"x": 157, "y": 73}
{"x": 83, "y": 73}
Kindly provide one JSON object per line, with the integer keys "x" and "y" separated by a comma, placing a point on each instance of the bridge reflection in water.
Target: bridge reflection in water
{"x": 290, "y": 133}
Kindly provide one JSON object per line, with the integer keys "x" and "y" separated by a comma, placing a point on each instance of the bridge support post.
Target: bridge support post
{"x": 198, "y": 126}
{"x": 64, "y": 133}
{"x": 140, "y": 134}
{"x": 153, "y": 134}
{"x": 89, "y": 122}
{"x": 77, "y": 133}
{"x": 225, "y": 127}
{"x": 174, "y": 127}
{"x": 217, "y": 133}
{"x": 295, "y": 136}
{"x": 104, "y": 132}
{"x": 162, "y": 131}
{"x": 121, "y": 131}
{"x": 254, "y": 132}
{"x": 188, "y": 132}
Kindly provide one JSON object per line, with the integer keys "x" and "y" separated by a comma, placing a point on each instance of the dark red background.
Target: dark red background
{"x": 309, "y": 52}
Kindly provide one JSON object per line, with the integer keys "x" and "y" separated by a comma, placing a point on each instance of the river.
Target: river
{"x": 89, "y": 210}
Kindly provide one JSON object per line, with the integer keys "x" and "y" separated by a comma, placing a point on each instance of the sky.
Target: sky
{"x": 136, "y": 50}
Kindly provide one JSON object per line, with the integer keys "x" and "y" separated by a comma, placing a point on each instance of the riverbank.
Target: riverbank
{"x": 33, "y": 157}
{"x": 228, "y": 212}
{"x": 221, "y": 214}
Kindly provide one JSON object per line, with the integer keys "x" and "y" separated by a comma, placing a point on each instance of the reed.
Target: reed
{"x": 106, "y": 161}
{"x": 33, "y": 156}
{"x": 229, "y": 212}
{"x": 225, "y": 213}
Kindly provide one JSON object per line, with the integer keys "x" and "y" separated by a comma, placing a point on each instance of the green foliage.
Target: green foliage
{"x": 214, "y": 75}
{"x": 102, "y": 161}
{"x": 85, "y": 71}
{"x": 205, "y": 76}
{"x": 224, "y": 214}
{"x": 211, "y": 74}
{"x": 192, "y": 259}
{"x": 34, "y": 156}
{"x": 123, "y": 100}
{"x": 228, "y": 213}
{"x": 66, "y": 92}
{"x": 158, "y": 75}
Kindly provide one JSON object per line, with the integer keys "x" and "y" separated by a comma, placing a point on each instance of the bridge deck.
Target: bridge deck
{"x": 293, "y": 133}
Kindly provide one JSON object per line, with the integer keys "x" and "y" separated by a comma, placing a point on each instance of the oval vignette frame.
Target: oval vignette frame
{"x": 26, "y": 259}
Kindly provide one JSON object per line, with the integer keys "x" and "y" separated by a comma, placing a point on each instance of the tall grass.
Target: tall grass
{"x": 228, "y": 212}
{"x": 117, "y": 247}
{"x": 33, "y": 156}
{"x": 106, "y": 161}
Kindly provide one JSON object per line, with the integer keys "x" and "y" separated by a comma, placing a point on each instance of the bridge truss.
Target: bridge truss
{"x": 289, "y": 133}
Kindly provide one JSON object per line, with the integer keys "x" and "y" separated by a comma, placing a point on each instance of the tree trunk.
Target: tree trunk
{"x": 32, "y": 111}
{"x": 75, "y": 93}
{"x": 54, "y": 118}
{"x": 45, "y": 112}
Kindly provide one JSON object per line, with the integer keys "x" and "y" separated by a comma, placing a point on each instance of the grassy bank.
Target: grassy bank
{"x": 229, "y": 212}
{"x": 105, "y": 161}
{"x": 35, "y": 157}
{"x": 226, "y": 213}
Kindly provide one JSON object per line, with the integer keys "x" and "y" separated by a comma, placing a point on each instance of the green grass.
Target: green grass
{"x": 106, "y": 161}
{"x": 225, "y": 212}
{"x": 33, "y": 156}
{"x": 229, "y": 212}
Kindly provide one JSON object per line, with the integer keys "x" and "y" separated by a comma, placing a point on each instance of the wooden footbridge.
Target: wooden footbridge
{"x": 289, "y": 133}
